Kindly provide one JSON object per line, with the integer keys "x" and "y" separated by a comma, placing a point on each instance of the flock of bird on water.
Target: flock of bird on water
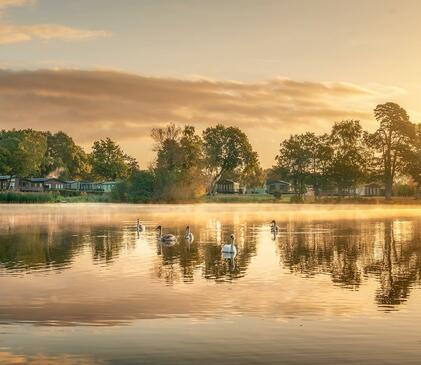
{"x": 170, "y": 239}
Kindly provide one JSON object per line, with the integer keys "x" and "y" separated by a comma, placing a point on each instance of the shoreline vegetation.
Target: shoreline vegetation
{"x": 347, "y": 164}
{"x": 54, "y": 198}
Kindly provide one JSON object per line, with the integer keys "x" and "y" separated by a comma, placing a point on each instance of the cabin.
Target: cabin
{"x": 278, "y": 187}
{"x": 372, "y": 189}
{"x": 227, "y": 186}
{"x": 37, "y": 184}
{"x": 8, "y": 182}
{"x": 88, "y": 186}
{"x": 107, "y": 186}
{"x": 72, "y": 185}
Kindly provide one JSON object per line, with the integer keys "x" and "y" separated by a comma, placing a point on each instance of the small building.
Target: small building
{"x": 72, "y": 185}
{"x": 227, "y": 186}
{"x": 278, "y": 187}
{"x": 31, "y": 185}
{"x": 88, "y": 186}
{"x": 8, "y": 182}
{"x": 372, "y": 189}
{"x": 107, "y": 186}
{"x": 37, "y": 184}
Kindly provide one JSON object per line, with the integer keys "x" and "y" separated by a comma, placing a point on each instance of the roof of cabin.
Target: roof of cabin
{"x": 268, "y": 182}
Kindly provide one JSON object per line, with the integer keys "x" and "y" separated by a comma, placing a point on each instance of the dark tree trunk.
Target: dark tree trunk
{"x": 388, "y": 187}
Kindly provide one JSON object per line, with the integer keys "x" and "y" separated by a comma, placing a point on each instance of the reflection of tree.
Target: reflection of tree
{"x": 399, "y": 269}
{"x": 347, "y": 252}
{"x": 37, "y": 249}
{"x": 107, "y": 243}
{"x": 43, "y": 248}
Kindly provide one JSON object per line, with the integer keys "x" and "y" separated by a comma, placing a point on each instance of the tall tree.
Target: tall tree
{"x": 294, "y": 160}
{"x": 109, "y": 161}
{"x": 22, "y": 152}
{"x": 413, "y": 161}
{"x": 391, "y": 141}
{"x": 349, "y": 157}
{"x": 228, "y": 152}
{"x": 63, "y": 155}
{"x": 179, "y": 164}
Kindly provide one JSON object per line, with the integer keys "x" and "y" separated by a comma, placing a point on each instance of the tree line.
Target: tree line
{"x": 30, "y": 153}
{"x": 347, "y": 156}
{"x": 188, "y": 164}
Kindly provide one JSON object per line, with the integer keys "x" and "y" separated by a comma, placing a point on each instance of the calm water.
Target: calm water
{"x": 337, "y": 285}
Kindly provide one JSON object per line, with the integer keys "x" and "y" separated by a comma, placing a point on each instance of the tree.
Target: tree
{"x": 138, "y": 188}
{"x": 294, "y": 161}
{"x": 228, "y": 151}
{"x": 63, "y": 155}
{"x": 413, "y": 161}
{"x": 347, "y": 167}
{"x": 22, "y": 152}
{"x": 179, "y": 164}
{"x": 391, "y": 141}
{"x": 109, "y": 161}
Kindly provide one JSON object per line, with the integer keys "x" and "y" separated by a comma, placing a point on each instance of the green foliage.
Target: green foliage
{"x": 15, "y": 197}
{"x": 349, "y": 156}
{"x": 109, "y": 162}
{"x": 179, "y": 165}
{"x": 403, "y": 190}
{"x": 138, "y": 188}
{"x": 391, "y": 141}
{"x": 229, "y": 154}
{"x": 64, "y": 155}
{"x": 305, "y": 159}
{"x": 22, "y": 152}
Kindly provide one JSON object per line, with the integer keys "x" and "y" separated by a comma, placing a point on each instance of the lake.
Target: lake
{"x": 336, "y": 285}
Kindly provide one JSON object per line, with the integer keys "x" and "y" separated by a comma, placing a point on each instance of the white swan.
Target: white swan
{"x": 230, "y": 247}
{"x": 188, "y": 236}
{"x": 139, "y": 226}
{"x": 166, "y": 238}
{"x": 274, "y": 228}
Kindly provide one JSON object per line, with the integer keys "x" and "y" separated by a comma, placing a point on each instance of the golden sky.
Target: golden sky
{"x": 272, "y": 68}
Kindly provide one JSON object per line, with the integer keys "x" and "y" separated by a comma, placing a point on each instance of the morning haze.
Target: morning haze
{"x": 210, "y": 182}
{"x": 202, "y": 62}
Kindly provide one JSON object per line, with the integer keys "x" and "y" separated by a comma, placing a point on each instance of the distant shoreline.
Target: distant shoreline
{"x": 48, "y": 198}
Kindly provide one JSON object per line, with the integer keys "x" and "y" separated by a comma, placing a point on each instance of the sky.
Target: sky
{"x": 106, "y": 68}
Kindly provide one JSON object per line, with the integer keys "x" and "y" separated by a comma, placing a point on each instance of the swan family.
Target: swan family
{"x": 170, "y": 239}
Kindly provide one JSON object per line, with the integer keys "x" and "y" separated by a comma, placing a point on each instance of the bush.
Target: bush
{"x": 138, "y": 188}
{"x": 296, "y": 199}
{"x": 17, "y": 197}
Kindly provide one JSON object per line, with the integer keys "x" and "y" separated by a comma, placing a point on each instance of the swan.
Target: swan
{"x": 139, "y": 226}
{"x": 274, "y": 228}
{"x": 230, "y": 247}
{"x": 166, "y": 238}
{"x": 188, "y": 236}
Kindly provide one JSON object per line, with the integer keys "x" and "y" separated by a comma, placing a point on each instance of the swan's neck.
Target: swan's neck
{"x": 160, "y": 231}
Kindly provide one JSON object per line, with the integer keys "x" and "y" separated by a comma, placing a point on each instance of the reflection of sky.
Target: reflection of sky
{"x": 323, "y": 277}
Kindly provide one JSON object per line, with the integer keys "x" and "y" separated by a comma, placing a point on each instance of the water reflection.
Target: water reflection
{"x": 107, "y": 264}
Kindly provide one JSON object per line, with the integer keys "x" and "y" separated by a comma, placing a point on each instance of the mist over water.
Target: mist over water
{"x": 337, "y": 284}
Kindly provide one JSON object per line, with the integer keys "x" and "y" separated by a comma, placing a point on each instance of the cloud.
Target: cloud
{"x": 20, "y": 33}
{"x": 14, "y": 33}
{"x": 95, "y": 104}
{"x": 10, "y": 3}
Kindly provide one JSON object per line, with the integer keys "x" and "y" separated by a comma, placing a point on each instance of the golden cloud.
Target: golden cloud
{"x": 13, "y": 33}
{"x": 19, "y": 33}
{"x": 95, "y": 104}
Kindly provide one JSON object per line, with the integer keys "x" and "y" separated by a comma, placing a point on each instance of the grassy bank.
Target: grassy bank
{"x": 244, "y": 198}
{"x": 37, "y": 198}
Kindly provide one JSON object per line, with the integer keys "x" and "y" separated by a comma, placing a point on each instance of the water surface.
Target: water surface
{"x": 336, "y": 285}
